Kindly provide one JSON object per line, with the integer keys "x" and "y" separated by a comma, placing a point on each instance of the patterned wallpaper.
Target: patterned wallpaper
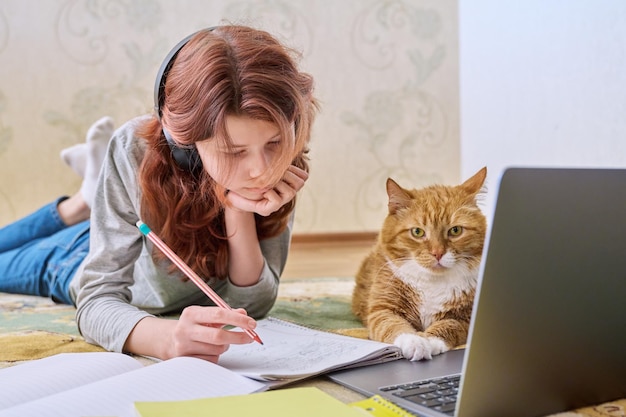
{"x": 386, "y": 74}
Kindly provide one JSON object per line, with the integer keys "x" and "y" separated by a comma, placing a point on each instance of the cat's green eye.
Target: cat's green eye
{"x": 455, "y": 231}
{"x": 417, "y": 232}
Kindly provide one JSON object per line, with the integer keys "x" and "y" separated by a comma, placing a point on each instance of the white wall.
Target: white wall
{"x": 543, "y": 83}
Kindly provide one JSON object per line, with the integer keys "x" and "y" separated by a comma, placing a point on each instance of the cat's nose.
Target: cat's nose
{"x": 437, "y": 253}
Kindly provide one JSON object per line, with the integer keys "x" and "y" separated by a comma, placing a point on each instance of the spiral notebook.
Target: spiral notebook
{"x": 292, "y": 352}
{"x": 547, "y": 326}
{"x": 377, "y": 406}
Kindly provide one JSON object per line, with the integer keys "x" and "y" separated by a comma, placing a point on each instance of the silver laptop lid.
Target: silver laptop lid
{"x": 549, "y": 326}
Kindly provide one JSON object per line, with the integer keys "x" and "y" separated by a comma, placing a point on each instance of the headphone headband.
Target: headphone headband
{"x": 186, "y": 157}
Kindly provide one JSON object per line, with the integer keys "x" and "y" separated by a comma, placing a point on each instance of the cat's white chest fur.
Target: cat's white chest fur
{"x": 435, "y": 291}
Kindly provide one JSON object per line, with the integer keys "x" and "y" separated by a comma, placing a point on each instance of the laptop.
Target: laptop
{"x": 548, "y": 330}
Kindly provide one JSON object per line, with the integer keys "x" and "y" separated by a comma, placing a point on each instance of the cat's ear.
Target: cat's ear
{"x": 398, "y": 197}
{"x": 474, "y": 185}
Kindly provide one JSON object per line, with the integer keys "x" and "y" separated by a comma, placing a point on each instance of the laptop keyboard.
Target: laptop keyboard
{"x": 438, "y": 393}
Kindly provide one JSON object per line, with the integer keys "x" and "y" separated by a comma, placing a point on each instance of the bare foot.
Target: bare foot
{"x": 74, "y": 209}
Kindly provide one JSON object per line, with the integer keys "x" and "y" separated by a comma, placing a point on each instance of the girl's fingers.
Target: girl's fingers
{"x": 217, "y": 340}
{"x": 300, "y": 173}
{"x": 296, "y": 177}
{"x": 201, "y": 331}
{"x": 293, "y": 180}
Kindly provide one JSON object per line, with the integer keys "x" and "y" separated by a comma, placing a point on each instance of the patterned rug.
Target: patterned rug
{"x": 35, "y": 327}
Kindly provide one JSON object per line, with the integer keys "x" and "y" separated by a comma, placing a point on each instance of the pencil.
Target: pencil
{"x": 195, "y": 278}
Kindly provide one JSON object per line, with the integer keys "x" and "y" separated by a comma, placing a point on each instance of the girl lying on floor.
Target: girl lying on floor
{"x": 214, "y": 172}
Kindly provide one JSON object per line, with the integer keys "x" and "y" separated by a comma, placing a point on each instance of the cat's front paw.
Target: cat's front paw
{"x": 416, "y": 348}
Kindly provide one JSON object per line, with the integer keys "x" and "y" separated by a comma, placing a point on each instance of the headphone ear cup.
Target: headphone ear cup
{"x": 187, "y": 158}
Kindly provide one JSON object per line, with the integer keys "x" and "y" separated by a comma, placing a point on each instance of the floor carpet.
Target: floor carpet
{"x": 35, "y": 327}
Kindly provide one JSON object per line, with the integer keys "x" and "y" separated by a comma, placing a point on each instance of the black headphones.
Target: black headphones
{"x": 185, "y": 156}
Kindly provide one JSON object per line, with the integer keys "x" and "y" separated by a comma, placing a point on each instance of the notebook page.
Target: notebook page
{"x": 293, "y": 351}
{"x": 172, "y": 380}
{"x": 40, "y": 378}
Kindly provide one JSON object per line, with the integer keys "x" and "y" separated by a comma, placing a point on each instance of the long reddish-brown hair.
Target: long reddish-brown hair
{"x": 230, "y": 70}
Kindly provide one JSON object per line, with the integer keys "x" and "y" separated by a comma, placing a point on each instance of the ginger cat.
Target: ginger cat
{"x": 416, "y": 287}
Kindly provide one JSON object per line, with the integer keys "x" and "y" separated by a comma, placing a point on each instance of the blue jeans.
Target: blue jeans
{"x": 39, "y": 254}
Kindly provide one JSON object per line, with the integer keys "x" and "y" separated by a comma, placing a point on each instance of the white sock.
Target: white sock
{"x": 98, "y": 137}
{"x": 76, "y": 157}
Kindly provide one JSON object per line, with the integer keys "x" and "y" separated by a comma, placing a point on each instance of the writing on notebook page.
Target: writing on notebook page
{"x": 308, "y": 355}
{"x": 292, "y": 351}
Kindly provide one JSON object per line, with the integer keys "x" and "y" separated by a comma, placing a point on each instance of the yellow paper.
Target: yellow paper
{"x": 289, "y": 402}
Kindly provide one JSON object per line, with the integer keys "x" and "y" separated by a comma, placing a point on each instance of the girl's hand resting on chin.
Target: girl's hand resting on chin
{"x": 272, "y": 200}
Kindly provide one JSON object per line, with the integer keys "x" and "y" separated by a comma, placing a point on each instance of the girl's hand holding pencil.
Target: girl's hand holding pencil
{"x": 203, "y": 286}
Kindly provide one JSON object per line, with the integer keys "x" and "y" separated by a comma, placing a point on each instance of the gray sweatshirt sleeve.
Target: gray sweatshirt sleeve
{"x": 105, "y": 315}
{"x": 119, "y": 284}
